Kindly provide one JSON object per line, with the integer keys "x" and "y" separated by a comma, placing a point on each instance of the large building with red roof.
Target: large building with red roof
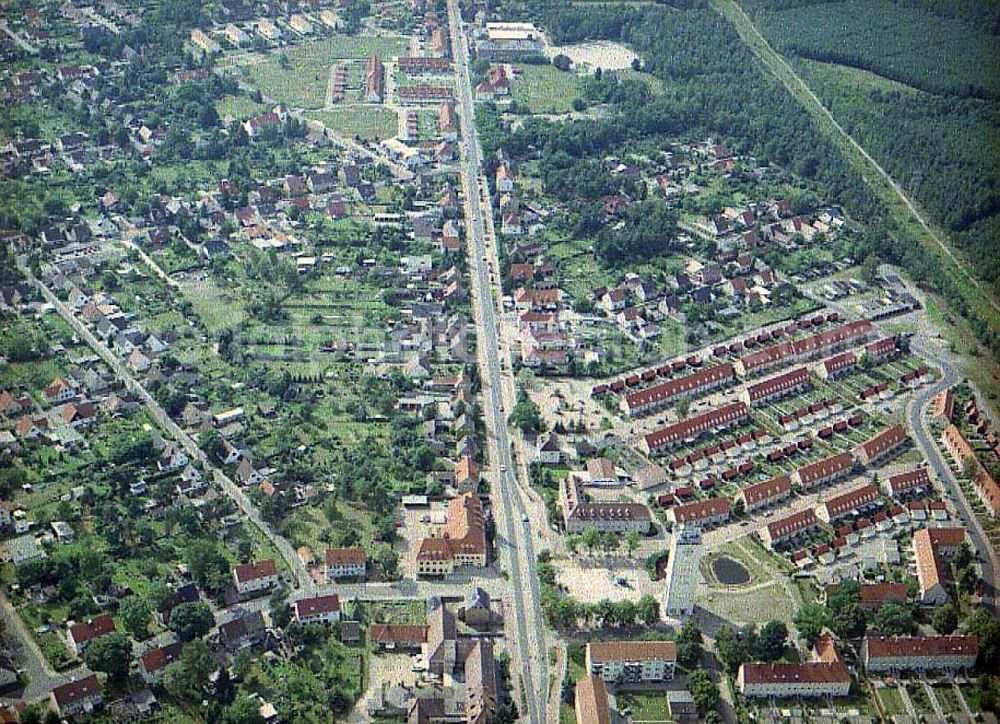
{"x": 462, "y": 541}
{"x": 892, "y": 654}
{"x": 825, "y": 675}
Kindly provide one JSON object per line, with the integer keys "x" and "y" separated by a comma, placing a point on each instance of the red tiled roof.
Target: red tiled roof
{"x": 92, "y": 628}
{"x": 696, "y": 425}
{"x": 606, "y": 651}
{"x": 825, "y": 468}
{"x": 381, "y": 633}
{"x": 811, "y": 672}
{"x": 256, "y": 570}
{"x": 884, "y": 441}
{"x": 915, "y": 478}
{"x": 157, "y": 659}
{"x": 74, "y": 691}
{"x": 792, "y": 524}
{"x": 777, "y": 384}
{"x": 701, "y": 510}
{"x": 317, "y": 605}
{"x": 851, "y": 500}
{"x": 909, "y": 646}
{"x": 813, "y": 344}
{"x": 691, "y": 383}
{"x": 776, "y": 486}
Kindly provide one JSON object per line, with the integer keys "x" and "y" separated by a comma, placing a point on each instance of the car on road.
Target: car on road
{"x": 503, "y": 468}
{"x": 524, "y": 518}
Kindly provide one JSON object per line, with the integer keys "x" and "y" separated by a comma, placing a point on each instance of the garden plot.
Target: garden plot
{"x": 298, "y": 76}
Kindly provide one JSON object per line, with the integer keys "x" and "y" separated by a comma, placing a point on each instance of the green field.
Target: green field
{"x": 239, "y": 107}
{"x": 298, "y": 76}
{"x": 364, "y": 122}
{"x": 545, "y": 89}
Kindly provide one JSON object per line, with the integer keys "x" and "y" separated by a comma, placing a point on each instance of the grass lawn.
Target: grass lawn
{"x": 918, "y": 695}
{"x": 239, "y": 107}
{"x": 891, "y": 701}
{"x": 216, "y": 308}
{"x": 646, "y": 707}
{"x": 364, "y": 122}
{"x": 545, "y": 89}
{"x": 948, "y": 699}
{"x": 397, "y": 612}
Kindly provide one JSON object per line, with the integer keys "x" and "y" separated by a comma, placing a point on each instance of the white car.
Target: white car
{"x": 503, "y": 468}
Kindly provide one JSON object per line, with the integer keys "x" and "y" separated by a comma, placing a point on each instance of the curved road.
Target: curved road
{"x": 916, "y": 414}
{"x": 514, "y": 532}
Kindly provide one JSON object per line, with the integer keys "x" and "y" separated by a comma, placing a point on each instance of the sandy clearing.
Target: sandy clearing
{"x": 603, "y": 54}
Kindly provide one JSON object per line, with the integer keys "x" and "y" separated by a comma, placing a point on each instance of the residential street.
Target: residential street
{"x": 161, "y": 417}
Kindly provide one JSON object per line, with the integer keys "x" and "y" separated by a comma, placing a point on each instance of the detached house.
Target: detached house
{"x": 256, "y": 577}
{"x": 82, "y": 634}
{"x": 345, "y": 563}
{"x": 80, "y": 696}
{"x": 318, "y": 609}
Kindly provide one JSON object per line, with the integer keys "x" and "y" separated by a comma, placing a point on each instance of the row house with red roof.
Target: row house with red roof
{"x": 825, "y": 675}
{"x": 786, "y": 353}
{"x": 962, "y": 453}
{"x": 677, "y": 433}
{"x": 895, "y": 654}
{"x": 765, "y": 493}
{"x": 823, "y": 472}
{"x": 652, "y": 399}
{"x": 774, "y": 388}
{"x": 881, "y": 446}
{"x": 784, "y": 530}
{"x": 857, "y": 501}
{"x": 705, "y": 513}
{"x": 909, "y": 483}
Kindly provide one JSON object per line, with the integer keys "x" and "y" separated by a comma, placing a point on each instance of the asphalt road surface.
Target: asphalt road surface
{"x": 512, "y": 523}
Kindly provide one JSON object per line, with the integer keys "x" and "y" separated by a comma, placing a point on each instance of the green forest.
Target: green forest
{"x": 905, "y": 41}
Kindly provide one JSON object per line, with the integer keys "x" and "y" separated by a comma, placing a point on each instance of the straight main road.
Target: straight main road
{"x": 513, "y": 524}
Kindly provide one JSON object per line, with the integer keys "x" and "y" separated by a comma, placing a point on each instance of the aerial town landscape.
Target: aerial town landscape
{"x": 499, "y": 361}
